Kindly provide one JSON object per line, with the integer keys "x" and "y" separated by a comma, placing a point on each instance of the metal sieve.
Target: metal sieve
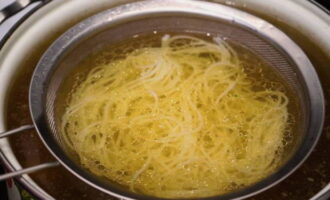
{"x": 120, "y": 23}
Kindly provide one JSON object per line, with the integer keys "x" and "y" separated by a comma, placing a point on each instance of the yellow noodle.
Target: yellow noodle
{"x": 179, "y": 120}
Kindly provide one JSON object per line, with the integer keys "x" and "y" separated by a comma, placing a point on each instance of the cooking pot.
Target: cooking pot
{"x": 20, "y": 38}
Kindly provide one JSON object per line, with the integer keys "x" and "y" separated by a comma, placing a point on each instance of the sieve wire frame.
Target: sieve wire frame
{"x": 116, "y": 24}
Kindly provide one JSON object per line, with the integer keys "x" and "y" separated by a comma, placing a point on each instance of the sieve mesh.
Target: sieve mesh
{"x": 275, "y": 57}
{"x": 93, "y": 34}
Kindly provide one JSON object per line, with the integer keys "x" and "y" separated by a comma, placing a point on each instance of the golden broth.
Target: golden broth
{"x": 304, "y": 183}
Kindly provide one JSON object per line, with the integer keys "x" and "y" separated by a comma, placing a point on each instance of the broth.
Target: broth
{"x": 310, "y": 178}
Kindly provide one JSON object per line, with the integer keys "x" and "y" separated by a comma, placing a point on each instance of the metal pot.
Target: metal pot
{"x": 63, "y": 13}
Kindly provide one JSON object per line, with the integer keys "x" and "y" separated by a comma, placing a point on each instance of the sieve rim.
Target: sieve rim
{"x": 115, "y": 15}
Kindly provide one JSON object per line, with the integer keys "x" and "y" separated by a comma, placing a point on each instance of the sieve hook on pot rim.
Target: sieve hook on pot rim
{"x": 28, "y": 169}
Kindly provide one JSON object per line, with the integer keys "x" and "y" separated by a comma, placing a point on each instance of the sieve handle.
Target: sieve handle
{"x": 28, "y": 170}
{"x": 16, "y": 130}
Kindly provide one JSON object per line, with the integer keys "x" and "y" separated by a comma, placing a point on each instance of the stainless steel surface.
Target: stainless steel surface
{"x": 13, "y": 8}
{"x": 323, "y": 194}
{"x": 15, "y": 12}
{"x": 28, "y": 170}
{"x": 141, "y": 17}
{"x": 322, "y": 4}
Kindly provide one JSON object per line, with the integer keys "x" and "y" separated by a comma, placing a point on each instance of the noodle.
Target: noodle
{"x": 179, "y": 120}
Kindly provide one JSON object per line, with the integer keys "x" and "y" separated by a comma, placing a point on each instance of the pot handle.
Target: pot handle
{"x": 14, "y": 8}
{"x": 29, "y": 169}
